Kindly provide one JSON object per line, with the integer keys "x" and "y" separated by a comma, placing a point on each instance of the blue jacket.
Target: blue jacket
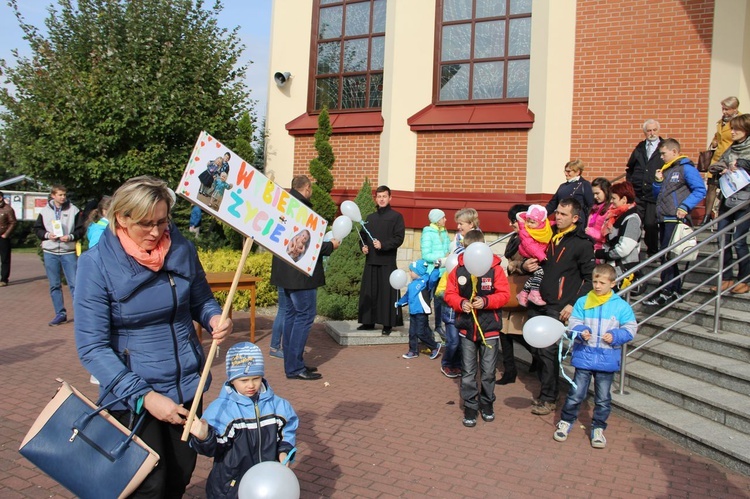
{"x": 615, "y": 317}
{"x": 418, "y": 293}
{"x": 131, "y": 318}
{"x": 95, "y": 231}
{"x": 435, "y": 243}
{"x": 682, "y": 187}
{"x": 243, "y": 432}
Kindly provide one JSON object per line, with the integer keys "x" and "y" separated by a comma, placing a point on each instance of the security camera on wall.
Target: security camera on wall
{"x": 282, "y": 78}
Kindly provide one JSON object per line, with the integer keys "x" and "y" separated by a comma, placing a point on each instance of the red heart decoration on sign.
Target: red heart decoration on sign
{"x": 308, "y": 269}
{"x": 197, "y": 159}
{"x": 218, "y": 145}
{"x": 313, "y": 259}
{"x": 296, "y": 228}
{"x": 286, "y": 241}
{"x": 187, "y": 193}
{"x": 203, "y": 144}
{"x": 210, "y": 138}
{"x": 192, "y": 172}
{"x": 187, "y": 183}
{"x": 320, "y": 234}
{"x": 317, "y": 246}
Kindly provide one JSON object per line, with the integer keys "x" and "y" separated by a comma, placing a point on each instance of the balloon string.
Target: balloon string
{"x": 561, "y": 357}
{"x": 474, "y": 312}
{"x": 367, "y": 231}
{"x": 290, "y": 456}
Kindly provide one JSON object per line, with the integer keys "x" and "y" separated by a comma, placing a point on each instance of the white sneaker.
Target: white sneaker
{"x": 561, "y": 433}
{"x": 597, "y": 439}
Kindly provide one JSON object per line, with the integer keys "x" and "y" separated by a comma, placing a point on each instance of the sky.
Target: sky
{"x": 252, "y": 16}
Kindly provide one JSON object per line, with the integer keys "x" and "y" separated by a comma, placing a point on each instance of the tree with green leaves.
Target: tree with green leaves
{"x": 320, "y": 169}
{"x": 339, "y": 298}
{"x": 243, "y": 144}
{"x": 120, "y": 88}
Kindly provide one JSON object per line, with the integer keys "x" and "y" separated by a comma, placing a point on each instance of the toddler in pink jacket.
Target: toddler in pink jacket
{"x": 534, "y": 232}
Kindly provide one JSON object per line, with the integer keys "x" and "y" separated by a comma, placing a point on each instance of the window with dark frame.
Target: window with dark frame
{"x": 349, "y": 55}
{"x": 484, "y": 49}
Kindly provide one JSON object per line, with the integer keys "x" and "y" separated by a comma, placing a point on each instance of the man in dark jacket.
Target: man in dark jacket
{"x": 7, "y": 224}
{"x": 376, "y": 296}
{"x": 301, "y": 293}
{"x": 567, "y": 277}
{"x": 641, "y": 168}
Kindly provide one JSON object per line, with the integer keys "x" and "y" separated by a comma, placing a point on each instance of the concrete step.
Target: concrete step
{"x": 726, "y": 445}
{"x": 703, "y": 398}
{"x": 731, "y": 374}
{"x": 726, "y": 344}
{"x": 732, "y": 321}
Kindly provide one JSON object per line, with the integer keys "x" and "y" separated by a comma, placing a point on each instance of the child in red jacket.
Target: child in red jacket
{"x": 477, "y": 302}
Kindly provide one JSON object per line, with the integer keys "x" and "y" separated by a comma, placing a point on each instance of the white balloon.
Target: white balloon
{"x": 328, "y": 236}
{"x": 269, "y": 479}
{"x": 398, "y": 279}
{"x": 478, "y": 259}
{"x": 451, "y": 262}
{"x": 342, "y": 226}
{"x": 351, "y": 210}
{"x": 542, "y": 331}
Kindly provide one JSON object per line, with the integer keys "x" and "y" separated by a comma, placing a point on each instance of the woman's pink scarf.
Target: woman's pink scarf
{"x": 154, "y": 259}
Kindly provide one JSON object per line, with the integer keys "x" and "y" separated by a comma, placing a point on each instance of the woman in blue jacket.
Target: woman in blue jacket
{"x": 141, "y": 289}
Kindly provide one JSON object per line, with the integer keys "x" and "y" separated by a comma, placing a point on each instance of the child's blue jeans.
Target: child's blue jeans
{"x": 419, "y": 329}
{"x": 577, "y": 394}
{"x": 452, "y": 352}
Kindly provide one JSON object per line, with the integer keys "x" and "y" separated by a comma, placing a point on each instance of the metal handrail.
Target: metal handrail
{"x": 719, "y": 237}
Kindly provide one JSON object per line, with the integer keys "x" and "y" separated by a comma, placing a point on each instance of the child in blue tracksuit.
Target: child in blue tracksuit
{"x": 418, "y": 298}
{"x": 601, "y": 321}
{"x": 246, "y": 425}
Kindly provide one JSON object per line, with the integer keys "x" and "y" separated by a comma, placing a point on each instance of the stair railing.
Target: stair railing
{"x": 718, "y": 236}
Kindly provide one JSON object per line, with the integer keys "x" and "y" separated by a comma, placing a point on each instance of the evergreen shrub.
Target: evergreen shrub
{"x": 339, "y": 298}
{"x": 257, "y": 264}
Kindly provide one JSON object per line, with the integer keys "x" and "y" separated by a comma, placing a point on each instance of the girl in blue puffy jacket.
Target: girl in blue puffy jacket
{"x": 601, "y": 322}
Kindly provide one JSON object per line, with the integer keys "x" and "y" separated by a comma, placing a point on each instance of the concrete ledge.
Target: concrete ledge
{"x": 345, "y": 333}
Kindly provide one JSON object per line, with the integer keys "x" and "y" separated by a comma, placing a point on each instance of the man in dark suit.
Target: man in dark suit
{"x": 640, "y": 171}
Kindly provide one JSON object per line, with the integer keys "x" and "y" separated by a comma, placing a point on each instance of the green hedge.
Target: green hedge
{"x": 258, "y": 264}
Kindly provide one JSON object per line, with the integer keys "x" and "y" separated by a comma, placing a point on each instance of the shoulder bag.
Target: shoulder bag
{"x": 84, "y": 448}
{"x": 684, "y": 233}
{"x": 704, "y": 160}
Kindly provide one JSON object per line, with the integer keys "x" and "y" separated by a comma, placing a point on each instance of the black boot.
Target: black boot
{"x": 488, "y": 413}
{"x": 470, "y": 417}
{"x": 507, "y": 378}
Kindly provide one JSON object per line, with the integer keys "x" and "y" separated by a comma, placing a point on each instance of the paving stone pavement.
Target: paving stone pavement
{"x": 375, "y": 425}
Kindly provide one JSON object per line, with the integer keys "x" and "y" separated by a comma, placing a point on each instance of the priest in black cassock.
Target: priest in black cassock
{"x": 376, "y": 296}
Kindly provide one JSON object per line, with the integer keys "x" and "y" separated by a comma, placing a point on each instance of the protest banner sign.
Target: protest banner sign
{"x": 225, "y": 185}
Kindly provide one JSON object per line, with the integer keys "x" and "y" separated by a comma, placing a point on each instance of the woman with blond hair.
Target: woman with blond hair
{"x": 141, "y": 288}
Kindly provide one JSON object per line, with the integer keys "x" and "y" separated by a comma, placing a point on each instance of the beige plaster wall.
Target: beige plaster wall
{"x": 407, "y": 87}
{"x": 730, "y": 59}
{"x": 550, "y": 92}
{"x": 291, "y": 22}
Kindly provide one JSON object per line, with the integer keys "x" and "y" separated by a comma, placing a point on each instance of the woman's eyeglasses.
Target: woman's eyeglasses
{"x": 161, "y": 224}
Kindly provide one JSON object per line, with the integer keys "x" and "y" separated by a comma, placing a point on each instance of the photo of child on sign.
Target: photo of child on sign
{"x": 298, "y": 245}
{"x": 222, "y": 183}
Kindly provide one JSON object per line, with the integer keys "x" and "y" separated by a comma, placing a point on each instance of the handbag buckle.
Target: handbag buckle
{"x": 74, "y": 435}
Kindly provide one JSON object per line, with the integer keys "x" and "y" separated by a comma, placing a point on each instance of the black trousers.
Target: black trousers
{"x": 647, "y": 212}
{"x": 177, "y": 460}
{"x": 548, "y": 363}
{"x": 4, "y": 259}
{"x": 509, "y": 358}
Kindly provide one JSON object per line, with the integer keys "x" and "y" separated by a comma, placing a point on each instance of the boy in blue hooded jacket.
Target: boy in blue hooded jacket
{"x": 418, "y": 298}
{"x": 246, "y": 425}
{"x": 601, "y": 321}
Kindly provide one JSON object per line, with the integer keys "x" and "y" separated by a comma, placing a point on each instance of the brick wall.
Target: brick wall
{"x": 472, "y": 160}
{"x": 356, "y": 158}
{"x": 638, "y": 59}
